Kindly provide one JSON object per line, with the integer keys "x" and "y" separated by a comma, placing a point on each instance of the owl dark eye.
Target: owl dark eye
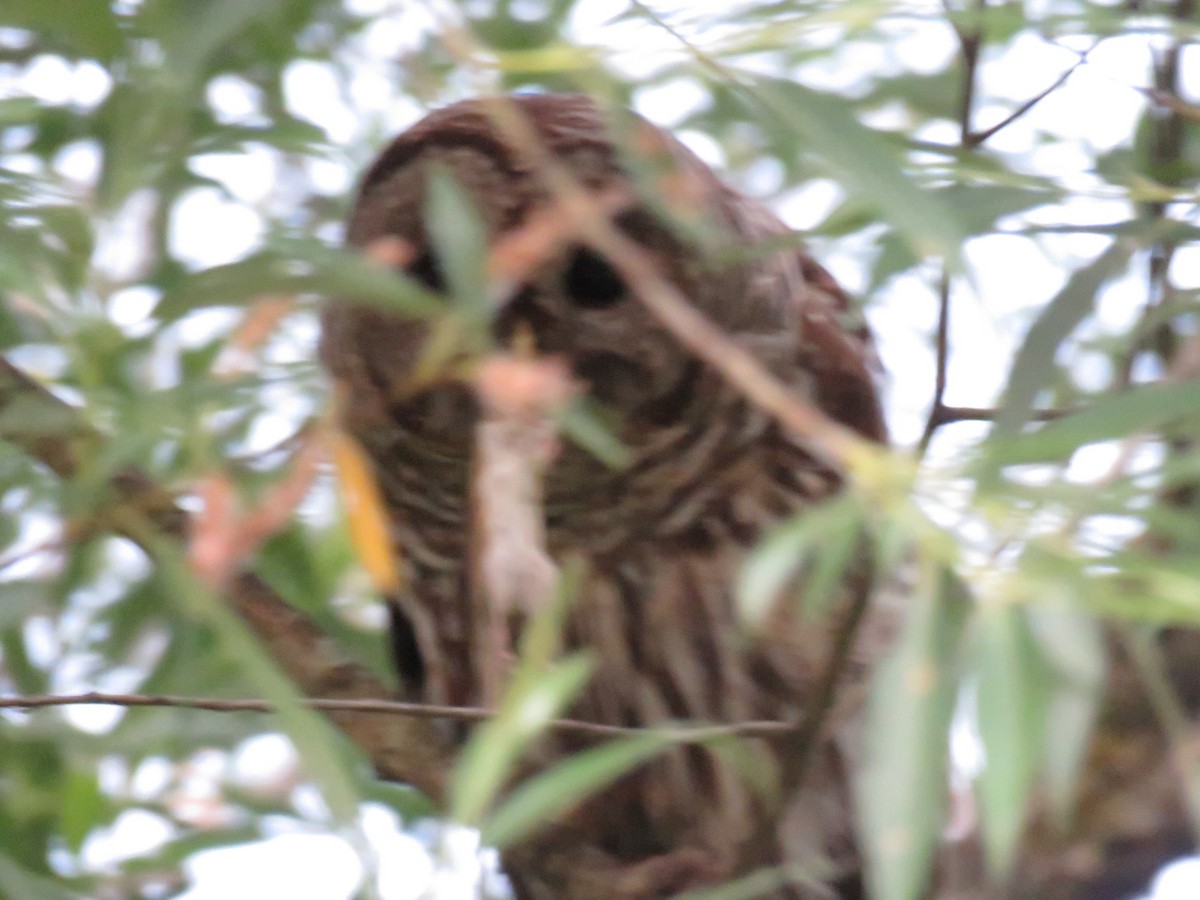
{"x": 428, "y": 271}
{"x": 591, "y": 282}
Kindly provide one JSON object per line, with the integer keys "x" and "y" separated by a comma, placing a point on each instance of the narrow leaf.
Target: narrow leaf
{"x": 816, "y": 545}
{"x": 540, "y": 800}
{"x": 1011, "y": 710}
{"x": 312, "y": 734}
{"x": 1140, "y": 409}
{"x": 904, "y": 782}
{"x": 491, "y": 754}
{"x": 311, "y": 268}
{"x": 370, "y": 533}
{"x": 1073, "y": 648}
{"x": 459, "y": 239}
{"x": 538, "y": 690}
{"x": 865, "y": 163}
{"x": 1033, "y": 366}
{"x": 582, "y": 423}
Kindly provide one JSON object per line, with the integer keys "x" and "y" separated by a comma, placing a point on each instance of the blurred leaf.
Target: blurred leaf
{"x": 905, "y": 779}
{"x": 1012, "y": 704}
{"x": 1140, "y": 409}
{"x": 537, "y": 691}
{"x": 366, "y": 514}
{"x": 311, "y": 733}
{"x": 1159, "y": 591}
{"x": 934, "y": 94}
{"x": 980, "y": 205}
{"x": 175, "y": 852}
{"x": 1072, "y": 648}
{"x": 84, "y": 807}
{"x": 90, "y": 31}
{"x": 19, "y": 882}
{"x": 895, "y": 256}
{"x": 308, "y": 268}
{"x": 18, "y": 111}
{"x": 459, "y": 241}
{"x": 1033, "y": 365}
{"x": 585, "y": 424}
{"x": 286, "y": 562}
{"x": 19, "y": 669}
{"x": 756, "y": 885}
{"x": 538, "y": 802}
{"x": 865, "y": 162}
{"x": 489, "y": 757}
{"x": 19, "y": 600}
{"x": 198, "y": 34}
{"x": 26, "y": 417}
{"x": 407, "y": 802}
{"x": 814, "y": 547}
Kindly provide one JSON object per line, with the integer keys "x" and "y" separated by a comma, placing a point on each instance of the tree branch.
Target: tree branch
{"x": 401, "y": 747}
{"x": 972, "y": 139}
{"x": 970, "y": 41}
{"x": 828, "y": 440}
{"x": 683, "y": 733}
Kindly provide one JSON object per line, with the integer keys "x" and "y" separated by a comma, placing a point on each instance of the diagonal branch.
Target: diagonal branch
{"x": 972, "y": 139}
{"x": 828, "y": 440}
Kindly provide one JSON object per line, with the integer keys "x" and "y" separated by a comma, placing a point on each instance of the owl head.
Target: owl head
{"x": 726, "y": 253}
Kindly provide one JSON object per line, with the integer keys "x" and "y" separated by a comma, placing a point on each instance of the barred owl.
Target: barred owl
{"x": 664, "y": 535}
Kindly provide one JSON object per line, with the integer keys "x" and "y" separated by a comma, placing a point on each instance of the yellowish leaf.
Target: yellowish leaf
{"x": 365, "y": 513}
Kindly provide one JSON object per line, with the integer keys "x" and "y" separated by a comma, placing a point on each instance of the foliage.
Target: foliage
{"x": 172, "y": 176}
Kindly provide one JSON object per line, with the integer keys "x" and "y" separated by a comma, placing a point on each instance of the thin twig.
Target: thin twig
{"x": 942, "y": 345}
{"x": 949, "y": 414}
{"x": 973, "y": 139}
{"x": 408, "y": 749}
{"x": 970, "y": 42}
{"x": 683, "y": 733}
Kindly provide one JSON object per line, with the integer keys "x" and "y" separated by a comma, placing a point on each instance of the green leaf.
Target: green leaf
{"x": 1141, "y": 409}
{"x": 584, "y": 424}
{"x": 18, "y": 111}
{"x": 331, "y": 272}
{"x": 459, "y": 241}
{"x": 865, "y": 162}
{"x": 20, "y": 600}
{"x": 980, "y": 205}
{"x": 815, "y": 546}
{"x": 18, "y": 881}
{"x": 539, "y": 801}
{"x": 200, "y": 33}
{"x": 313, "y": 736}
{"x": 84, "y": 806}
{"x": 1012, "y": 704}
{"x": 91, "y": 29}
{"x": 1159, "y": 591}
{"x": 1033, "y": 366}
{"x": 904, "y": 782}
{"x": 1075, "y": 656}
{"x": 494, "y": 749}
{"x": 537, "y": 691}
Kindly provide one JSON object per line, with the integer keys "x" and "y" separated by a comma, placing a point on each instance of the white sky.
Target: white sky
{"x": 1011, "y": 276}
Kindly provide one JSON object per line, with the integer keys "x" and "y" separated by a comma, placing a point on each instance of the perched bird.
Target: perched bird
{"x": 663, "y": 535}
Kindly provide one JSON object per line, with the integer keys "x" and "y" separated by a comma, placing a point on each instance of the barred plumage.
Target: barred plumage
{"x": 664, "y": 536}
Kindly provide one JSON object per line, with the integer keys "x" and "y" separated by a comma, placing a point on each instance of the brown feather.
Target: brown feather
{"x": 664, "y": 536}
